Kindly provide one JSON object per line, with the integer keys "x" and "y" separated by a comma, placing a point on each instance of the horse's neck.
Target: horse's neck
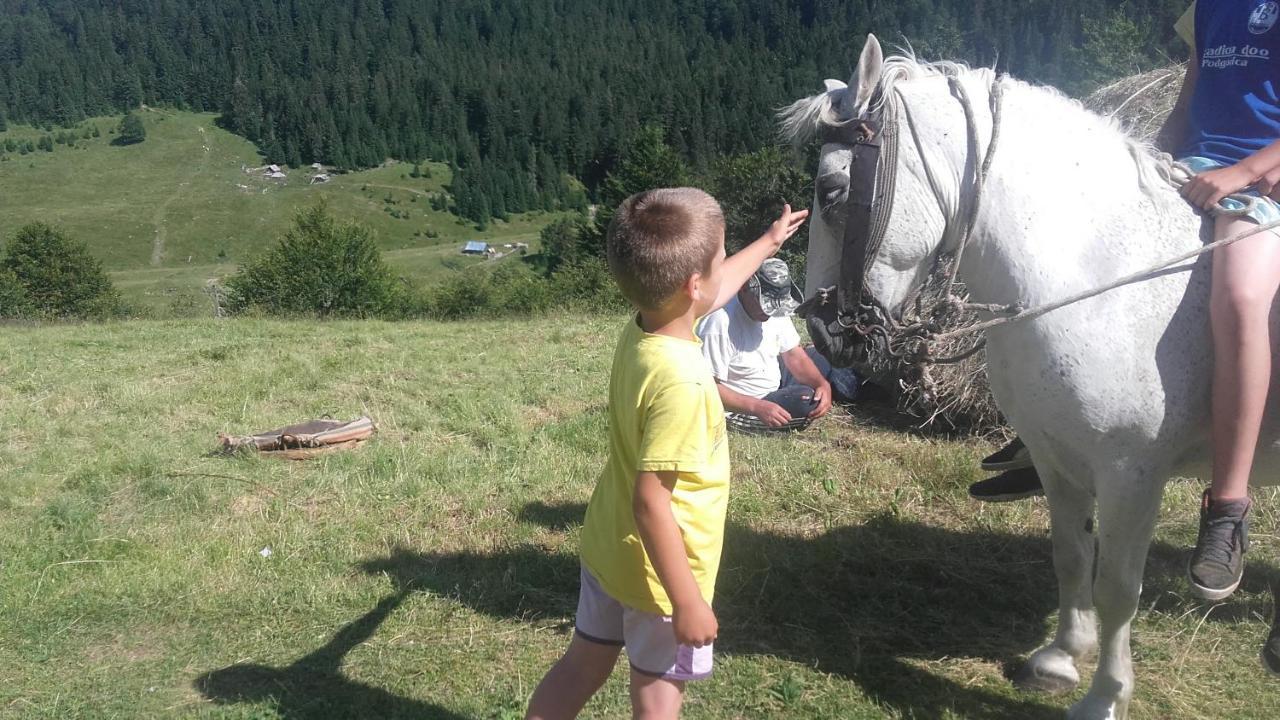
{"x": 1065, "y": 207}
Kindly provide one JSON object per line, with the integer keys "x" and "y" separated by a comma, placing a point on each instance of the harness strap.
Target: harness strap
{"x": 867, "y": 141}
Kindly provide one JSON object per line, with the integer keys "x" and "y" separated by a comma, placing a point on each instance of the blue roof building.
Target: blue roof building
{"x": 475, "y": 247}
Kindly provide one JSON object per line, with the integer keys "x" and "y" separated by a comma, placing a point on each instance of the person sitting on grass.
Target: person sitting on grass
{"x": 766, "y": 379}
{"x": 654, "y": 529}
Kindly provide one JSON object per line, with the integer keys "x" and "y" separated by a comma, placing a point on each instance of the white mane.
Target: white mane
{"x": 801, "y": 121}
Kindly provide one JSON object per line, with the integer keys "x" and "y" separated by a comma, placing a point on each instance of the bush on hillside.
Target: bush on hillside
{"x": 513, "y": 288}
{"x": 320, "y": 267}
{"x": 565, "y": 242}
{"x": 131, "y": 130}
{"x": 14, "y": 302}
{"x": 58, "y": 276}
{"x": 586, "y": 284}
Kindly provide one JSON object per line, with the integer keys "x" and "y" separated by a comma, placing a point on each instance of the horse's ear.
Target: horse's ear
{"x": 865, "y": 78}
{"x": 831, "y": 85}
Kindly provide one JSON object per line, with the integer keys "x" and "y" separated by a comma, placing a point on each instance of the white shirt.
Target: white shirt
{"x": 743, "y": 353}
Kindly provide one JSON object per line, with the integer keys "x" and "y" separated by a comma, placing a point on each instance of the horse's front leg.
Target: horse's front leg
{"x": 1127, "y": 507}
{"x": 1052, "y": 668}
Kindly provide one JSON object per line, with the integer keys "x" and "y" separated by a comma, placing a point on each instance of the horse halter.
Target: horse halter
{"x": 832, "y": 314}
{"x": 873, "y": 141}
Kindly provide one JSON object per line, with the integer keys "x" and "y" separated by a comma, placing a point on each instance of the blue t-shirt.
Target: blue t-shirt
{"x": 1235, "y": 111}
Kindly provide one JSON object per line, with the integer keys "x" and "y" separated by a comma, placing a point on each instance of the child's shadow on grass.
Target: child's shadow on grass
{"x": 872, "y": 603}
{"x": 314, "y": 688}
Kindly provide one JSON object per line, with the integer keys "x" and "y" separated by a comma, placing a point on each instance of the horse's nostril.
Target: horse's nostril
{"x": 832, "y": 189}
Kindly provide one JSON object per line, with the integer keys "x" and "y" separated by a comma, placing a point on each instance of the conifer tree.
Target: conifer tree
{"x": 131, "y": 130}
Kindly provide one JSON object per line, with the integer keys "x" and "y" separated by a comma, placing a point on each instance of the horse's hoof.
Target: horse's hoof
{"x": 1093, "y": 708}
{"x": 1049, "y": 671}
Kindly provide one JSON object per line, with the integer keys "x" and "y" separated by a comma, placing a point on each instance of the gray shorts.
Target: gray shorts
{"x": 650, "y": 640}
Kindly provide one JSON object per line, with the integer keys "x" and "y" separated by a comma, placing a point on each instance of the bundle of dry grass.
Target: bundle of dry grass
{"x": 1140, "y": 102}
{"x": 950, "y": 397}
{"x": 957, "y": 397}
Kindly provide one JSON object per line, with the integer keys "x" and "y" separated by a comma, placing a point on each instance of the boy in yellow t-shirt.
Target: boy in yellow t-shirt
{"x": 655, "y": 525}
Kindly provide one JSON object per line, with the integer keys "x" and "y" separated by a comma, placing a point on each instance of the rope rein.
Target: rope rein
{"x": 926, "y": 332}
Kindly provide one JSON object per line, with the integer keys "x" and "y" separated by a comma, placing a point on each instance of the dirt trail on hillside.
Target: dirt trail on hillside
{"x": 157, "y": 218}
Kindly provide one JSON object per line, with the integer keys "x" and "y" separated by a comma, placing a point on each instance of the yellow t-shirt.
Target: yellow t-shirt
{"x": 664, "y": 415}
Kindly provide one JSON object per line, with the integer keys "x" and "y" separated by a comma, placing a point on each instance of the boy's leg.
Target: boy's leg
{"x": 1246, "y": 276}
{"x": 660, "y": 666}
{"x": 597, "y": 640}
{"x": 572, "y": 681}
{"x": 655, "y": 698}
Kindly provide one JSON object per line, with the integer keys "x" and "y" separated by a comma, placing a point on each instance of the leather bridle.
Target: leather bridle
{"x": 839, "y": 316}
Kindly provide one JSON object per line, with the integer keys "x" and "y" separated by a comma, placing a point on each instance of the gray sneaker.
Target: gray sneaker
{"x": 1217, "y": 563}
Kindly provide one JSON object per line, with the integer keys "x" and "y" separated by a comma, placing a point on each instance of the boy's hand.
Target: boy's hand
{"x": 1206, "y": 189}
{"x": 695, "y": 624}
{"x": 1269, "y": 184}
{"x": 785, "y": 226}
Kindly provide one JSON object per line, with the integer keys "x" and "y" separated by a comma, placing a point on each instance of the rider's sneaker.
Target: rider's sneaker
{"x": 1217, "y": 563}
{"x": 1013, "y": 456}
{"x": 1008, "y": 486}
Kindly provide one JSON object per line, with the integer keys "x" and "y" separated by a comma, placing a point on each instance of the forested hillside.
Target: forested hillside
{"x": 520, "y": 95}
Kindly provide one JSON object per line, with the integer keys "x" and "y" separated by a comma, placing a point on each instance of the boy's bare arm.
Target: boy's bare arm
{"x": 695, "y": 623}
{"x": 738, "y": 267}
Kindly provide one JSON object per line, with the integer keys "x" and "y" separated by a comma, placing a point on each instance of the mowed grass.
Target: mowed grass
{"x": 433, "y": 573}
{"x": 169, "y": 213}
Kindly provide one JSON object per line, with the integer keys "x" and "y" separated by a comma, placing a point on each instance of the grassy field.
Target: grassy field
{"x": 167, "y": 214}
{"x": 432, "y": 574}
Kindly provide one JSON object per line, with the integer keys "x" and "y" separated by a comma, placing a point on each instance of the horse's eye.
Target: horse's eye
{"x": 833, "y": 189}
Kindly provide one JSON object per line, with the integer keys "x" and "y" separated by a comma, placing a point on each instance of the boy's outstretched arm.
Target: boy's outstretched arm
{"x": 693, "y": 620}
{"x": 738, "y": 267}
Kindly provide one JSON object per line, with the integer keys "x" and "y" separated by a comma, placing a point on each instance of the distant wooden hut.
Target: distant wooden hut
{"x": 475, "y": 247}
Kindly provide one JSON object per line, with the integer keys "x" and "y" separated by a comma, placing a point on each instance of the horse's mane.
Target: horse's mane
{"x": 801, "y": 121}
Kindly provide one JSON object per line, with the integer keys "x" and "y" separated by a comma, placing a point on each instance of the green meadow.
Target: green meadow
{"x": 188, "y": 204}
{"x": 433, "y": 572}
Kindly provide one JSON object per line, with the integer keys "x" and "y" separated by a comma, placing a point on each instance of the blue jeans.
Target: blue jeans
{"x": 797, "y": 398}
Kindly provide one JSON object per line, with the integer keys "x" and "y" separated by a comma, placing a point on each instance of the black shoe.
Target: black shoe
{"x": 1008, "y": 486}
{"x": 1271, "y": 651}
{"x": 1013, "y": 456}
{"x": 1217, "y": 563}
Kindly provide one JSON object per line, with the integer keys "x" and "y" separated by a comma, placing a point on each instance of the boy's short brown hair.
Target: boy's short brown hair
{"x": 659, "y": 238}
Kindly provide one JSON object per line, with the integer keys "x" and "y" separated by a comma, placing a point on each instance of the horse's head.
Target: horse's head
{"x": 882, "y": 212}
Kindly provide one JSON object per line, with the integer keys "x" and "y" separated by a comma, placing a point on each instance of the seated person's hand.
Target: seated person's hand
{"x": 771, "y": 413}
{"x": 822, "y": 396}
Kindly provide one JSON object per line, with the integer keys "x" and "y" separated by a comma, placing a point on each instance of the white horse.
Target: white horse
{"x": 1111, "y": 394}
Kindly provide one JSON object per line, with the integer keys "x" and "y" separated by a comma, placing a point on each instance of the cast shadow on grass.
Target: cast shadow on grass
{"x": 869, "y": 603}
{"x": 314, "y": 688}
